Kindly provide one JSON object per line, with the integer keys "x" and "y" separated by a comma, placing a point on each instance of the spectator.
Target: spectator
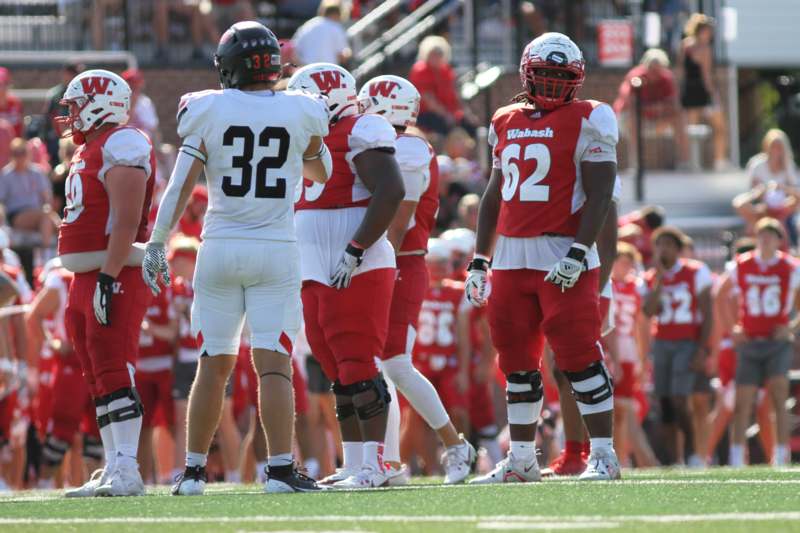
{"x": 143, "y": 113}
{"x": 658, "y": 95}
{"x": 58, "y": 177}
{"x": 200, "y": 25}
{"x": 100, "y": 11}
{"x": 434, "y": 78}
{"x": 53, "y": 109}
{"x": 468, "y": 211}
{"x": 637, "y": 228}
{"x": 699, "y": 96}
{"x": 26, "y": 193}
{"x": 771, "y": 199}
{"x": 323, "y": 39}
{"x": 10, "y": 105}
{"x": 228, "y": 12}
{"x": 191, "y": 223}
{"x": 775, "y": 162}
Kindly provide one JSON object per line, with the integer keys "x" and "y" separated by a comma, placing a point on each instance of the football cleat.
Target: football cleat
{"x": 511, "y": 470}
{"x": 99, "y": 477}
{"x": 125, "y": 480}
{"x": 458, "y": 461}
{"x": 192, "y": 482}
{"x": 602, "y": 466}
{"x": 396, "y": 477}
{"x": 566, "y": 465}
{"x": 289, "y": 478}
{"x": 368, "y": 477}
{"x": 340, "y": 475}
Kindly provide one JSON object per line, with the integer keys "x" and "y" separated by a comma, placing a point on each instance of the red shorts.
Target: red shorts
{"x": 8, "y": 406}
{"x": 409, "y": 291}
{"x": 627, "y": 383}
{"x": 42, "y": 401}
{"x": 727, "y": 362}
{"x": 524, "y": 309}
{"x": 73, "y": 406}
{"x": 105, "y": 351}
{"x": 155, "y": 389}
{"x": 299, "y": 386}
{"x": 347, "y": 328}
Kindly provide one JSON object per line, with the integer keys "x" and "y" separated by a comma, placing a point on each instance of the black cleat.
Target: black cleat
{"x": 191, "y": 483}
{"x": 288, "y": 479}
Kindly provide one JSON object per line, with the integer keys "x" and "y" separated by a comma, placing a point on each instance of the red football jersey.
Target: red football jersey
{"x": 536, "y": 151}
{"x": 87, "y": 216}
{"x": 182, "y": 297}
{"x": 12, "y": 112}
{"x": 435, "y": 348}
{"x": 416, "y": 237}
{"x": 680, "y": 318}
{"x": 627, "y": 305}
{"x": 766, "y": 292}
{"x": 159, "y": 312}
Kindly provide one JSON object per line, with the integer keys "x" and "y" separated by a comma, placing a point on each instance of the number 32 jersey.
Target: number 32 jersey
{"x": 539, "y": 154}
{"x": 680, "y": 316}
{"x": 255, "y": 143}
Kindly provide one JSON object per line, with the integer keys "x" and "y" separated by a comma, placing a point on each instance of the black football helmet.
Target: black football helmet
{"x": 248, "y": 52}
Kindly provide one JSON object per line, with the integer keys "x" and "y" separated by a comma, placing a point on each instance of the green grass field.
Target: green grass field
{"x": 749, "y": 501}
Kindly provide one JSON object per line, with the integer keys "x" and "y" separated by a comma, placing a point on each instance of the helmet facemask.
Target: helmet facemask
{"x": 550, "y": 86}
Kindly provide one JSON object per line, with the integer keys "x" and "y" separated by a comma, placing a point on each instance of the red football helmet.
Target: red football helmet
{"x": 564, "y": 63}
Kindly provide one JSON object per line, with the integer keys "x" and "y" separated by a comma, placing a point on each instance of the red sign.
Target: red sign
{"x": 615, "y": 43}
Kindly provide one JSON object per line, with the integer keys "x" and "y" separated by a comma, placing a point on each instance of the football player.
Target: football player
{"x": 255, "y": 144}
{"x": 349, "y": 268}
{"x": 554, "y": 168}
{"x": 397, "y": 100}
{"x": 109, "y": 189}
{"x": 677, "y": 292}
{"x": 8, "y": 392}
{"x": 767, "y": 282}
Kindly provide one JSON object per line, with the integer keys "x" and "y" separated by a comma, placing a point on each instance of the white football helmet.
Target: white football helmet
{"x": 462, "y": 240}
{"x": 551, "y": 51}
{"x": 438, "y": 259}
{"x": 94, "y": 97}
{"x": 393, "y": 97}
{"x": 329, "y": 80}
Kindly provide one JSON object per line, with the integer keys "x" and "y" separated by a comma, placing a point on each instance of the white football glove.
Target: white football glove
{"x": 155, "y": 266}
{"x": 350, "y": 261}
{"x": 566, "y": 272}
{"x": 477, "y": 286}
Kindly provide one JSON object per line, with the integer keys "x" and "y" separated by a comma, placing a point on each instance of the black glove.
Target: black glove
{"x": 103, "y": 292}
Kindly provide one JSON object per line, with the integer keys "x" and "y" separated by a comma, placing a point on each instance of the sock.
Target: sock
{"x": 523, "y": 451}
{"x": 261, "y": 468}
{"x": 107, "y": 438}
{"x": 573, "y": 447}
{"x": 312, "y": 466}
{"x": 373, "y": 454}
{"x": 126, "y": 433}
{"x": 601, "y": 443}
{"x": 282, "y": 459}
{"x": 736, "y": 456}
{"x": 780, "y": 456}
{"x": 353, "y": 455}
{"x": 233, "y": 476}
{"x": 196, "y": 459}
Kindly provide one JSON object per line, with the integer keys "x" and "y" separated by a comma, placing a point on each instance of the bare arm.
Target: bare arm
{"x": 651, "y": 305}
{"x": 598, "y": 184}
{"x": 379, "y": 172}
{"x": 607, "y": 244}
{"x": 705, "y": 59}
{"x": 126, "y": 191}
{"x": 399, "y": 225}
{"x": 488, "y": 212}
{"x": 314, "y": 169}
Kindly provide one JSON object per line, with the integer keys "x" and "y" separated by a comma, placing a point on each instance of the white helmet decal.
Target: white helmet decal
{"x": 393, "y": 97}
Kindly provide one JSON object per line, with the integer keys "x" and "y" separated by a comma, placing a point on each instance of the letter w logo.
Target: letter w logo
{"x": 384, "y": 88}
{"x": 327, "y": 80}
{"x": 95, "y": 85}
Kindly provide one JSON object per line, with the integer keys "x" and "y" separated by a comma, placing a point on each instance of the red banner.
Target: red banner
{"x": 615, "y": 43}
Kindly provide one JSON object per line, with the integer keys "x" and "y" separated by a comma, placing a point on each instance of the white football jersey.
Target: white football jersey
{"x": 255, "y": 143}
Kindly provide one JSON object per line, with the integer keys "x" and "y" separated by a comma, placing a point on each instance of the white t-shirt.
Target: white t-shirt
{"x": 320, "y": 40}
{"x": 596, "y": 143}
{"x": 759, "y": 172}
{"x": 255, "y": 143}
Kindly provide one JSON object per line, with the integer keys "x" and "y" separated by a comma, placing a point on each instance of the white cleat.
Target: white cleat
{"x": 511, "y": 470}
{"x": 340, "y": 475}
{"x": 397, "y": 477}
{"x": 125, "y": 480}
{"x": 368, "y": 477}
{"x": 99, "y": 477}
{"x": 602, "y": 465}
{"x": 191, "y": 482}
{"x": 458, "y": 461}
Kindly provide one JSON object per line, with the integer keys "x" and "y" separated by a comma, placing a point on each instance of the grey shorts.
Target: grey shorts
{"x": 759, "y": 360}
{"x": 672, "y": 370}
{"x": 184, "y": 377}
{"x": 317, "y": 383}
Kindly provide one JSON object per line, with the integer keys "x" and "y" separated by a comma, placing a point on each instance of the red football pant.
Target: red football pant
{"x": 409, "y": 292}
{"x": 524, "y": 309}
{"x": 73, "y": 404}
{"x": 105, "y": 351}
{"x": 155, "y": 390}
{"x": 347, "y": 328}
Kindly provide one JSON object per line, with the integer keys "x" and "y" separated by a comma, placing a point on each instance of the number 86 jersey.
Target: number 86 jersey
{"x": 254, "y": 143}
{"x": 539, "y": 154}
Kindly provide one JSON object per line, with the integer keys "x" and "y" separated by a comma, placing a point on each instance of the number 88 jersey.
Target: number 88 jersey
{"x": 539, "y": 153}
{"x": 254, "y": 143}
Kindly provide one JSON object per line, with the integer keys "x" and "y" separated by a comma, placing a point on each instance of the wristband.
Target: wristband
{"x": 354, "y": 249}
{"x": 479, "y": 262}
{"x": 105, "y": 279}
{"x": 577, "y": 252}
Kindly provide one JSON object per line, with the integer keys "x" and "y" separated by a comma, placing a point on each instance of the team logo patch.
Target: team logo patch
{"x": 383, "y": 88}
{"x": 557, "y": 58}
{"x": 95, "y": 85}
{"x": 327, "y": 80}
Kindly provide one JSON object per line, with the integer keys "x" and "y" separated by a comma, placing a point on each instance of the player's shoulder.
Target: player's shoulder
{"x": 372, "y": 122}
{"x": 372, "y": 131}
{"x": 198, "y": 99}
{"x": 126, "y": 136}
{"x": 512, "y": 110}
{"x": 746, "y": 257}
{"x": 414, "y": 147}
{"x": 599, "y": 115}
{"x": 693, "y": 265}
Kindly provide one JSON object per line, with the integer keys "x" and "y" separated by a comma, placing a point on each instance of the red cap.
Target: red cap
{"x": 5, "y": 76}
{"x": 133, "y": 76}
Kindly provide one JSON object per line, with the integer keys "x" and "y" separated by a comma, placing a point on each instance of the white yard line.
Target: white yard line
{"x": 661, "y": 519}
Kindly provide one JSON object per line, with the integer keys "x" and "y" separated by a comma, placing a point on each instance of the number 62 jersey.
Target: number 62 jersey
{"x": 539, "y": 154}
{"x": 252, "y": 169}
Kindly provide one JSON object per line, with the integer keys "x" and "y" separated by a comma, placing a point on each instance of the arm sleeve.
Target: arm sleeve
{"x": 127, "y": 147}
{"x": 600, "y": 134}
{"x": 371, "y": 132}
{"x": 413, "y": 157}
{"x": 702, "y": 279}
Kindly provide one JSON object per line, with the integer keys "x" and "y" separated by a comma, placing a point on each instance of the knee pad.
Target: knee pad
{"x": 592, "y": 389}
{"x": 343, "y": 411}
{"x": 375, "y": 406}
{"x": 668, "y": 415}
{"x": 92, "y": 447}
{"x": 134, "y": 409}
{"x": 54, "y": 450}
{"x": 524, "y": 393}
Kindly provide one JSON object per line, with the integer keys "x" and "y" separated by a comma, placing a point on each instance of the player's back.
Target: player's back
{"x": 254, "y": 143}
